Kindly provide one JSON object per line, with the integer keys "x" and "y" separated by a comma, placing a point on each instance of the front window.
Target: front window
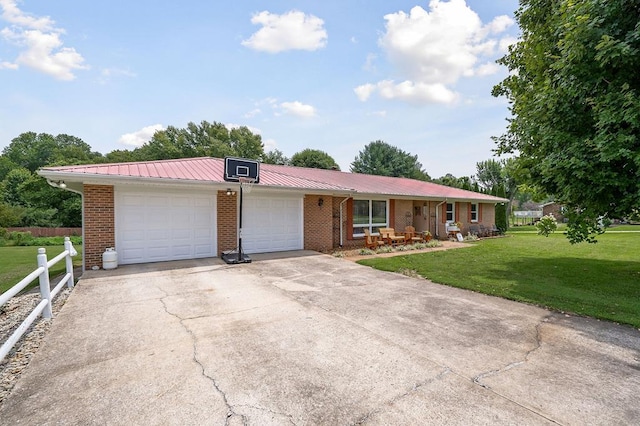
{"x": 368, "y": 214}
{"x": 474, "y": 212}
{"x": 451, "y": 214}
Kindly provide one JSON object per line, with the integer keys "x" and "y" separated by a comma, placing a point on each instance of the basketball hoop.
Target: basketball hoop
{"x": 246, "y": 184}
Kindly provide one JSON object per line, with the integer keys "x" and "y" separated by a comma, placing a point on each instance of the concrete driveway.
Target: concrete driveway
{"x": 303, "y": 338}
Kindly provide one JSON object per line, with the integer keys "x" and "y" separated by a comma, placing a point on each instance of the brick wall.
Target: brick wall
{"x": 227, "y": 222}
{"x": 403, "y": 215}
{"x": 99, "y": 223}
{"x": 318, "y": 222}
{"x": 488, "y": 214}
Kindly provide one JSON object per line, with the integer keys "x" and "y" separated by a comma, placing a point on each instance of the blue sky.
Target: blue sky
{"x": 329, "y": 75}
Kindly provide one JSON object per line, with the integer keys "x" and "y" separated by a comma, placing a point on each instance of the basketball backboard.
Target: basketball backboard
{"x": 236, "y": 169}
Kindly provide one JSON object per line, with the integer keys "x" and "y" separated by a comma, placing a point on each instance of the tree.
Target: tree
{"x": 464, "y": 182}
{"x": 201, "y": 140}
{"x": 574, "y": 93}
{"x": 275, "y": 156}
{"x": 314, "y": 159}
{"x": 489, "y": 174}
{"x": 380, "y": 158}
{"x": 32, "y": 151}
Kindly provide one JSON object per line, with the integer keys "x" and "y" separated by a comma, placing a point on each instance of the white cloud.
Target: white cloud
{"x": 269, "y": 144}
{"x": 293, "y": 30}
{"x": 4, "y": 65}
{"x": 15, "y": 16}
{"x": 141, "y": 136}
{"x": 253, "y": 113}
{"x": 505, "y": 42}
{"x": 42, "y": 48}
{"x": 487, "y": 69}
{"x": 365, "y": 91}
{"x": 432, "y": 50}
{"x": 298, "y": 109}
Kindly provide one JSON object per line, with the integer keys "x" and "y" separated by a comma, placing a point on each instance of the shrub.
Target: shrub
{"x": 20, "y": 238}
{"x": 547, "y": 225}
{"x": 384, "y": 249}
{"x": 366, "y": 252}
{"x": 471, "y": 237}
{"x": 433, "y": 243}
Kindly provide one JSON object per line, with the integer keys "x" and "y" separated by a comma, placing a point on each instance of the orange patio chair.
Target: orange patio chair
{"x": 371, "y": 241}
{"x": 410, "y": 235}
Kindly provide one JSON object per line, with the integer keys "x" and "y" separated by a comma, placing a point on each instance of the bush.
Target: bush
{"x": 366, "y": 252}
{"x": 471, "y": 237}
{"x": 20, "y": 238}
{"x": 384, "y": 249}
{"x": 547, "y": 225}
{"x": 26, "y": 239}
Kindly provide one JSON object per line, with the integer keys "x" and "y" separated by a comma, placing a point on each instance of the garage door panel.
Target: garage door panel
{"x": 271, "y": 223}
{"x": 153, "y": 227}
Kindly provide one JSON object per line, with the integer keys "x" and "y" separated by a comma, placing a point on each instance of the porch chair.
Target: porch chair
{"x": 371, "y": 241}
{"x": 389, "y": 235}
{"x": 410, "y": 235}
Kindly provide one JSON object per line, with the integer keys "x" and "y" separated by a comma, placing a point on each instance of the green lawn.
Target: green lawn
{"x": 600, "y": 280}
{"x": 18, "y": 262}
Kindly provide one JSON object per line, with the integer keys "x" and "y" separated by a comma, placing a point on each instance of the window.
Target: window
{"x": 368, "y": 214}
{"x": 451, "y": 212}
{"x": 474, "y": 212}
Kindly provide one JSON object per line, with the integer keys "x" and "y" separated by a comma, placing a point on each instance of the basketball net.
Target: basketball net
{"x": 246, "y": 184}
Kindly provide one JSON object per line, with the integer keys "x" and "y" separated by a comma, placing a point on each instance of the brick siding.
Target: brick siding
{"x": 318, "y": 222}
{"x": 227, "y": 221}
{"x": 99, "y": 223}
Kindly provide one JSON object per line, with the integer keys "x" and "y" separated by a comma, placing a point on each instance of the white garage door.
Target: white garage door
{"x": 271, "y": 223}
{"x": 154, "y": 226}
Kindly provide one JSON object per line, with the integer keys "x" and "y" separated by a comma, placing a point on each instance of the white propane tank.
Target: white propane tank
{"x": 110, "y": 258}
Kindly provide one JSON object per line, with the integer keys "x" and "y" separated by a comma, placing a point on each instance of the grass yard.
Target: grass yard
{"x": 599, "y": 280}
{"x": 18, "y": 262}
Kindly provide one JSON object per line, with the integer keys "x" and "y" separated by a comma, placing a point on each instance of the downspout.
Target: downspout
{"x": 341, "y": 226}
{"x": 437, "y": 218}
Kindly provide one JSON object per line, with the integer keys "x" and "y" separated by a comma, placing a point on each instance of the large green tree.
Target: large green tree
{"x": 275, "y": 156}
{"x": 380, "y": 158}
{"x": 200, "y": 140}
{"x": 34, "y": 150}
{"x": 314, "y": 159}
{"x": 574, "y": 93}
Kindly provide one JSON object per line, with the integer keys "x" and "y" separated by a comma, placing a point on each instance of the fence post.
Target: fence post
{"x": 68, "y": 247}
{"x": 45, "y": 289}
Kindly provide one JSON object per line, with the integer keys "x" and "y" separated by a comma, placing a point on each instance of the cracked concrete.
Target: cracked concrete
{"x": 231, "y": 413}
{"x": 537, "y": 344}
{"x": 301, "y": 338}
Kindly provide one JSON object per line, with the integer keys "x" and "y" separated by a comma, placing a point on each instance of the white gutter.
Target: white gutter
{"x": 437, "y": 221}
{"x": 341, "y": 230}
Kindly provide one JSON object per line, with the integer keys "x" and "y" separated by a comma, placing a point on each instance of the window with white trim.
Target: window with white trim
{"x": 451, "y": 212}
{"x": 369, "y": 214}
{"x": 474, "y": 212}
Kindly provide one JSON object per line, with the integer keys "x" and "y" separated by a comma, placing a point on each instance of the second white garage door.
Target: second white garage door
{"x": 272, "y": 223}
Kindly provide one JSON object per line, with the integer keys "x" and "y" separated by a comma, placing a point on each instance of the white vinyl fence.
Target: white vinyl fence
{"x": 44, "y": 307}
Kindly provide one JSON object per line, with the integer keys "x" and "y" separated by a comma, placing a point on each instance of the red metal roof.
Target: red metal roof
{"x": 212, "y": 169}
